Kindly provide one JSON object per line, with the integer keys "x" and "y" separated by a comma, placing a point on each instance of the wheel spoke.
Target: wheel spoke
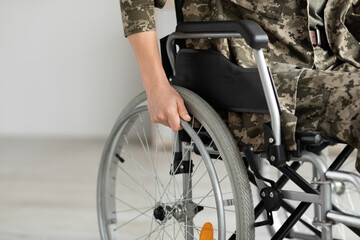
{"x": 134, "y": 162}
{"x": 210, "y": 191}
{"x": 226, "y": 210}
{"x": 148, "y": 153}
{"x": 178, "y": 232}
{"x": 202, "y": 176}
{"x": 132, "y": 190}
{"x": 167, "y": 157}
{"x": 149, "y": 234}
{"x": 142, "y": 187}
{"x": 129, "y": 210}
{"x": 157, "y": 179}
{"x": 133, "y": 219}
{"x": 136, "y": 209}
{"x": 182, "y": 159}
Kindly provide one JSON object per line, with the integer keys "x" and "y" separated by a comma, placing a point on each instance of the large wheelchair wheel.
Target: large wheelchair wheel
{"x": 147, "y": 189}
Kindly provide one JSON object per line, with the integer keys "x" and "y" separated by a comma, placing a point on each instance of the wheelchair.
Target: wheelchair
{"x": 156, "y": 184}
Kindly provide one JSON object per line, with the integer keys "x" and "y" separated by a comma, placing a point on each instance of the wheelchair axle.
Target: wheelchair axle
{"x": 179, "y": 211}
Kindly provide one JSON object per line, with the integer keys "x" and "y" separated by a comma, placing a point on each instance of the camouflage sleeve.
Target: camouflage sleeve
{"x": 138, "y": 15}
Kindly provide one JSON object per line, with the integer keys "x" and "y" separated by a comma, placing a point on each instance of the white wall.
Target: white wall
{"x": 65, "y": 67}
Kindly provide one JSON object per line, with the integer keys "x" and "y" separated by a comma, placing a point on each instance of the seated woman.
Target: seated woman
{"x": 313, "y": 53}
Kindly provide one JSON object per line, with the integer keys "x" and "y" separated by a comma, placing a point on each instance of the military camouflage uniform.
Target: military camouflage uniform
{"x": 318, "y": 87}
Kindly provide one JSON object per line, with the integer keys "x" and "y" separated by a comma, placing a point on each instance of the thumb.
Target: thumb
{"x": 183, "y": 112}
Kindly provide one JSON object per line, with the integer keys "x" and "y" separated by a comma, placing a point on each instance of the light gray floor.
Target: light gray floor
{"x": 48, "y": 189}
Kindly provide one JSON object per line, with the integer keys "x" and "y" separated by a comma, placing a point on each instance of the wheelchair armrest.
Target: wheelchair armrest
{"x": 253, "y": 34}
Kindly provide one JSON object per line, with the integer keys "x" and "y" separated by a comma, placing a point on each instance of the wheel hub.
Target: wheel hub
{"x": 159, "y": 213}
{"x": 179, "y": 213}
{"x": 163, "y": 212}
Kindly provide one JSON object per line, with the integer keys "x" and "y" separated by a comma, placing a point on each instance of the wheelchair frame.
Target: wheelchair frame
{"x": 318, "y": 192}
{"x": 325, "y": 213}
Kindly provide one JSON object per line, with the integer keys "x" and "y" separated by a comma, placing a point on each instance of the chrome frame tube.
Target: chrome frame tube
{"x": 316, "y": 161}
{"x": 344, "y": 177}
{"x": 326, "y": 206}
{"x": 303, "y": 236}
{"x": 187, "y": 193}
{"x": 317, "y": 207}
{"x": 300, "y": 196}
{"x": 269, "y": 95}
{"x": 325, "y": 192}
{"x": 347, "y": 219}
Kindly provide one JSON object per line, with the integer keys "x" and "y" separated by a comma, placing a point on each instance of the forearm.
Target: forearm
{"x": 146, "y": 50}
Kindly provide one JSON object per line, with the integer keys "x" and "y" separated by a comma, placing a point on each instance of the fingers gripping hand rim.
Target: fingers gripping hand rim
{"x": 167, "y": 107}
{"x": 174, "y": 117}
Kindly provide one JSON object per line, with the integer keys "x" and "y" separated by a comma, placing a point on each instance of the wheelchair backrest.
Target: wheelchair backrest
{"x": 220, "y": 82}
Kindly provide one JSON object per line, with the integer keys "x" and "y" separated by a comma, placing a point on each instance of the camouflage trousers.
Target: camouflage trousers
{"x": 329, "y": 102}
{"x": 326, "y": 101}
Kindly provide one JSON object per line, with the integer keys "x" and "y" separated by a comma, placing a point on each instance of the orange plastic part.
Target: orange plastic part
{"x": 207, "y": 232}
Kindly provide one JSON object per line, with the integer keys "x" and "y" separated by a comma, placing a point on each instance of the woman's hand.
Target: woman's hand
{"x": 166, "y": 106}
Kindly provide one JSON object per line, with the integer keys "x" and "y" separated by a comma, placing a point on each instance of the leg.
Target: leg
{"x": 328, "y": 102}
